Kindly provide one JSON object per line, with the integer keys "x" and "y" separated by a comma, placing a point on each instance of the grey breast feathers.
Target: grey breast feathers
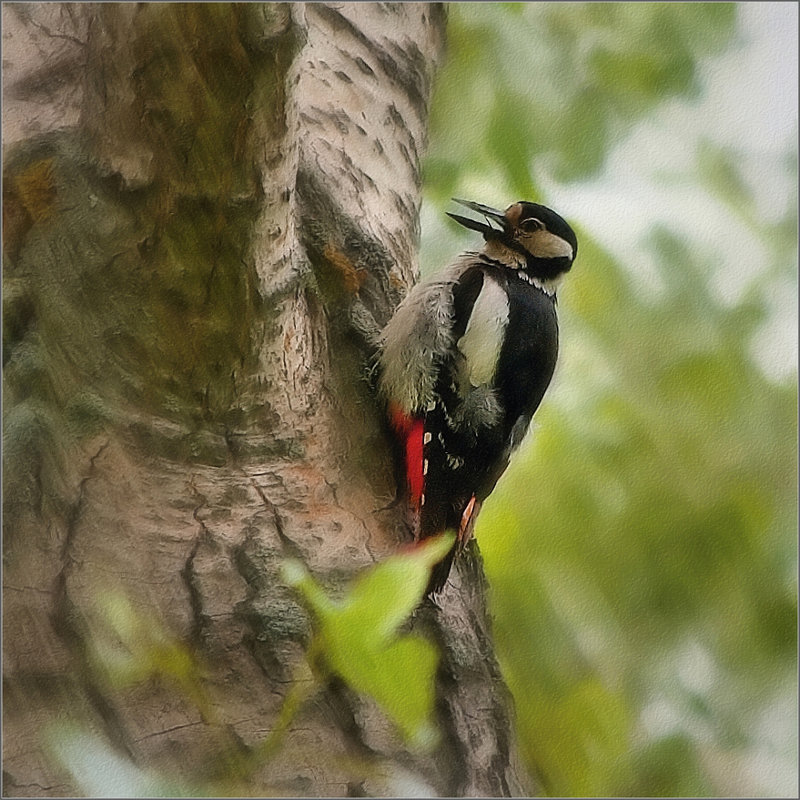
{"x": 417, "y": 338}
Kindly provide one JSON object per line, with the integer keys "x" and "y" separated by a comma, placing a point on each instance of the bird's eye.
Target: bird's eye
{"x": 531, "y": 224}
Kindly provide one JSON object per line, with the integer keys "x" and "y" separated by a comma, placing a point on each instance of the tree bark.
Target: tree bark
{"x": 208, "y": 211}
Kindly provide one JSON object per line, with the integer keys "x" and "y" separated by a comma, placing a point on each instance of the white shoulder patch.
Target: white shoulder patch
{"x": 483, "y": 337}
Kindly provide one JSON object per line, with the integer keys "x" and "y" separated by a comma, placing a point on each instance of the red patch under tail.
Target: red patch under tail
{"x": 412, "y": 431}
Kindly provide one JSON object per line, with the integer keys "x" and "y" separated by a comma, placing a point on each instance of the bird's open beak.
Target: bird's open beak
{"x": 491, "y": 214}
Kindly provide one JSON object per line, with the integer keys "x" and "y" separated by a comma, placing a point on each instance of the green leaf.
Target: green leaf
{"x": 357, "y": 638}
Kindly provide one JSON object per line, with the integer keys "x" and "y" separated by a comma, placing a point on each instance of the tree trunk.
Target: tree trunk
{"x": 208, "y": 209}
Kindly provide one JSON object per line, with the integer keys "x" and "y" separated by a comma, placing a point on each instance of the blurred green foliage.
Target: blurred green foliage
{"x": 642, "y": 548}
{"x": 560, "y": 81}
{"x": 99, "y": 770}
{"x": 126, "y": 647}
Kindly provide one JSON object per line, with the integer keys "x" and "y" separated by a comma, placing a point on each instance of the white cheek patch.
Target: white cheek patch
{"x": 483, "y": 337}
{"x": 543, "y": 244}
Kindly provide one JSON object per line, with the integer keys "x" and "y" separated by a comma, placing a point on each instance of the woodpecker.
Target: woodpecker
{"x": 465, "y": 361}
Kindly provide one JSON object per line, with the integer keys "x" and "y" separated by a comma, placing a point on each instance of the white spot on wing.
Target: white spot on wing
{"x": 485, "y": 330}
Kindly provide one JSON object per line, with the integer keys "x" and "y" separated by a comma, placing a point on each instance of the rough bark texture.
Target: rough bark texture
{"x": 205, "y": 208}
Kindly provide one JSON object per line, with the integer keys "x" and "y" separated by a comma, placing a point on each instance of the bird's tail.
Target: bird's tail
{"x": 466, "y": 527}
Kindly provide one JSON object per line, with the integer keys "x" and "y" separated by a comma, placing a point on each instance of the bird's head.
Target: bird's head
{"x": 544, "y": 239}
